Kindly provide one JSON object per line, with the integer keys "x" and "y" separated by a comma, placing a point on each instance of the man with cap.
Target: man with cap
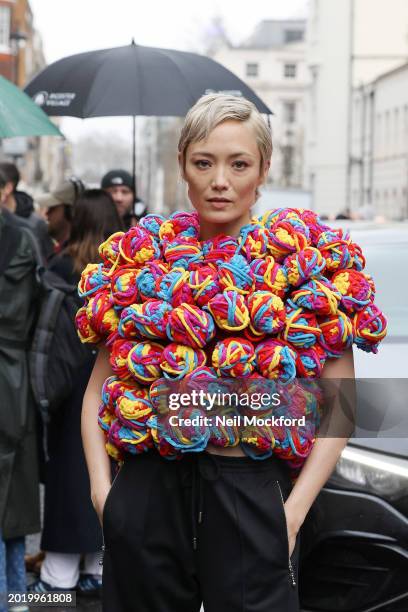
{"x": 119, "y": 184}
{"x": 57, "y": 206}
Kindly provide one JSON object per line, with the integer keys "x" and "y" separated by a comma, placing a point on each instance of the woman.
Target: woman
{"x": 71, "y": 527}
{"x": 161, "y": 553}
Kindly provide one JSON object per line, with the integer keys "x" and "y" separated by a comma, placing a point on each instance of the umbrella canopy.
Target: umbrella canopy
{"x": 19, "y": 116}
{"x": 132, "y": 80}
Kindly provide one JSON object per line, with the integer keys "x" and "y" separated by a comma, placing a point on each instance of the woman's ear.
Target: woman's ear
{"x": 264, "y": 172}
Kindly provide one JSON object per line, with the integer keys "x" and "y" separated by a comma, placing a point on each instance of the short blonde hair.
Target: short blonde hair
{"x": 211, "y": 110}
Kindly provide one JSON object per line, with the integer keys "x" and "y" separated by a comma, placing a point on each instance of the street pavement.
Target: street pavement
{"x": 84, "y": 604}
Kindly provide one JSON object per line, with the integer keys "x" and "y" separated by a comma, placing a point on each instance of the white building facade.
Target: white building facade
{"x": 272, "y": 62}
{"x": 379, "y": 170}
{"x": 349, "y": 44}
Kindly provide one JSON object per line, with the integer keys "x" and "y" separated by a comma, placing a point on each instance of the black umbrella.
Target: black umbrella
{"x": 132, "y": 80}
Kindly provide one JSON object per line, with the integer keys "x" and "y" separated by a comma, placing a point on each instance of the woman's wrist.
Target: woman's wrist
{"x": 100, "y": 486}
{"x": 295, "y": 514}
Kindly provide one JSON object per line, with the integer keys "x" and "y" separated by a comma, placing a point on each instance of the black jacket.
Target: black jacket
{"x": 19, "y": 500}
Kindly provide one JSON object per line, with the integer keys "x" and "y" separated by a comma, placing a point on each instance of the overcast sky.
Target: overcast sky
{"x": 73, "y": 26}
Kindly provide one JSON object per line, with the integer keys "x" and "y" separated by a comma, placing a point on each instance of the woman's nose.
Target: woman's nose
{"x": 220, "y": 179}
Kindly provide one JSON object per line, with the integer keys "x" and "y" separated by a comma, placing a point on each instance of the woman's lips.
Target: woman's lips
{"x": 220, "y": 203}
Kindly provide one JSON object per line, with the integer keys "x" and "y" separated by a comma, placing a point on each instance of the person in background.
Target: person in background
{"x": 58, "y": 206}
{"x": 71, "y": 527}
{"x": 119, "y": 184}
{"x": 22, "y": 205}
{"x": 19, "y": 474}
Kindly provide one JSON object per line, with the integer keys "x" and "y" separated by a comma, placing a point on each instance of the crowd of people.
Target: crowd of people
{"x": 60, "y": 232}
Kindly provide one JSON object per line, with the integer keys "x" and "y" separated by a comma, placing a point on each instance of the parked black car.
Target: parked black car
{"x": 354, "y": 551}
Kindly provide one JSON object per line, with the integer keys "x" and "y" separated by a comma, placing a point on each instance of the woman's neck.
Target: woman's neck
{"x": 209, "y": 230}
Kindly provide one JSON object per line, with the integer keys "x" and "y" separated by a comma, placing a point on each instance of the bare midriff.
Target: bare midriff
{"x": 234, "y": 451}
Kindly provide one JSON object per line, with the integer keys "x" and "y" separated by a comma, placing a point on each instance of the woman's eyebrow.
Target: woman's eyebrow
{"x": 207, "y": 154}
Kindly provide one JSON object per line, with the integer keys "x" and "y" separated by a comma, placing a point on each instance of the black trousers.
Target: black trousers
{"x": 208, "y": 529}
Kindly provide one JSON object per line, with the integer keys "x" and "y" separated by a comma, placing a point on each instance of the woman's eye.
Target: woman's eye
{"x": 202, "y": 163}
{"x": 240, "y": 165}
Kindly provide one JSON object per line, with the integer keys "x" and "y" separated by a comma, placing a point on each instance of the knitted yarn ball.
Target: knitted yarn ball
{"x": 112, "y": 388}
{"x": 274, "y": 302}
{"x": 320, "y": 296}
{"x": 182, "y": 252}
{"x": 204, "y": 284}
{"x": 85, "y": 332}
{"x": 267, "y": 312}
{"x": 269, "y": 276}
{"x": 276, "y": 360}
{"x": 174, "y": 288}
{"x": 334, "y": 247}
{"x": 118, "y": 358}
{"x": 357, "y": 259}
{"x": 310, "y": 362}
{"x": 202, "y": 373}
{"x": 138, "y": 246}
{"x": 288, "y": 236}
{"x": 94, "y": 278}
{"x": 179, "y": 224}
{"x": 152, "y": 224}
{"x": 145, "y": 320}
{"x": 180, "y": 437}
{"x": 369, "y": 328}
{"x": 128, "y": 439}
{"x": 109, "y": 250}
{"x": 253, "y": 241}
{"x": 133, "y": 408}
{"x": 337, "y": 334}
{"x": 301, "y": 328}
{"x": 235, "y": 274}
{"x": 354, "y": 287}
{"x": 229, "y": 310}
{"x": 304, "y": 265}
{"x": 101, "y": 315}
{"x": 189, "y": 325}
{"x": 159, "y": 391}
{"x": 143, "y": 361}
{"x": 123, "y": 286}
{"x": 219, "y": 248}
{"x": 148, "y": 278}
{"x": 177, "y": 360}
{"x": 233, "y": 357}
{"x": 105, "y": 418}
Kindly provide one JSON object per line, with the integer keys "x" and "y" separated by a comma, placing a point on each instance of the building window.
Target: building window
{"x": 289, "y": 112}
{"x": 293, "y": 36}
{"x": 4, "y": 27}
{"x": 289, "y": 71}
{"x": 252, "y": 70}
{"x": 288, "y": 159}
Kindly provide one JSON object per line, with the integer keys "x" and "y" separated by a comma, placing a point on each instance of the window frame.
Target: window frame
{"x": 251, "y": 65}
{"x": 288, "y": 73}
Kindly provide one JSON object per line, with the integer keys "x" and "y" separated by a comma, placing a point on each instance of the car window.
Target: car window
{"x": 388, "y": 264}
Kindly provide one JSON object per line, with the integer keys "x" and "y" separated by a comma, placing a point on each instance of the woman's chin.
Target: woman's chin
{"x": 220, "y": 215}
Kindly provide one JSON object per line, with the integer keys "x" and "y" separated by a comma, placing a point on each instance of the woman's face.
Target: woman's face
{"x": 223, "y": 174}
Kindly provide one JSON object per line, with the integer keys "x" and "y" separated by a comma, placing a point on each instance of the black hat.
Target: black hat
{"x": 113, "y": 178}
